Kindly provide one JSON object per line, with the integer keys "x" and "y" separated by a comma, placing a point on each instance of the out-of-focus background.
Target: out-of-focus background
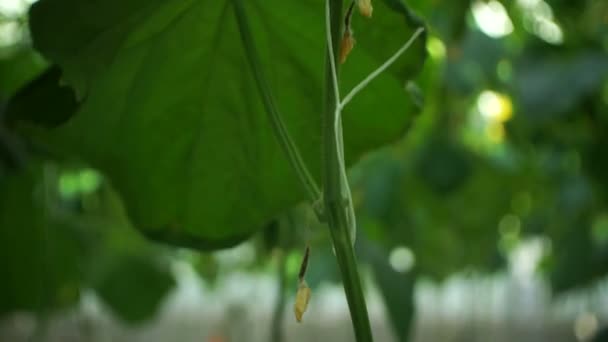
{"x": 487, "y": 221}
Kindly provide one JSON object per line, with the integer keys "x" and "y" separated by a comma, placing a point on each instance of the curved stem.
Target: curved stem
{"x": 338, "y": 127}
{"x": 290, "y": 149}
{"x": 380, "y": 69}
{"x": 332, "y": 44}
{"x": 335, "y": 208}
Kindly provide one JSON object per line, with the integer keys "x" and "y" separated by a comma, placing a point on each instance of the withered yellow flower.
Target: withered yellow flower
{"x": 365, "y": 7}
{"x": 346, "y": 45}
{"x": 302, "y": 299}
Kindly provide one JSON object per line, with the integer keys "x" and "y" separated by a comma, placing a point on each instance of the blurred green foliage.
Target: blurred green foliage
{"x": 510, "y": 143}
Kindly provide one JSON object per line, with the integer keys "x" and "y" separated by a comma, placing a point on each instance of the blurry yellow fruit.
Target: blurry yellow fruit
{"x": 494, "y": 106}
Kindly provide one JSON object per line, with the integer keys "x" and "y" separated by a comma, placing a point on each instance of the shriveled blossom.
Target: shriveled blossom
{"x": 302, "y": 299}
{"x": 346, "y": 45}
{"x": 365, "y": 7}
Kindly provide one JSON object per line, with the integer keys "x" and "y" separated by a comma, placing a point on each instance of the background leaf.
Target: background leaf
{"x": 39, "y": 257}
{"x": 397, "y": 288}
{"x": 133, "y": 287}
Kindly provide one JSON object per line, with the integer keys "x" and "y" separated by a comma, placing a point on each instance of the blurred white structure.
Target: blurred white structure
{"x": 504, "y": 307}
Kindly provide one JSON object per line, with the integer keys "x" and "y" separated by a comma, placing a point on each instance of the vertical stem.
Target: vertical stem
{"x": 279, "y": 307}
{"x": 335, "y": 208}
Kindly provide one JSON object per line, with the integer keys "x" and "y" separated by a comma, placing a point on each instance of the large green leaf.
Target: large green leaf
{"x": 171, "y": 114}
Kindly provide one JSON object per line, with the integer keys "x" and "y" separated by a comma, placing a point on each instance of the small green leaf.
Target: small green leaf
{"x": 43, "y": 101}
{"x": 134, "y": 287}
{"x": 17, "y": 70}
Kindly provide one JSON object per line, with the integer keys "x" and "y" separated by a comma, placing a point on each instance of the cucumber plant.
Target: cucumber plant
{"x": 165, "y": 106}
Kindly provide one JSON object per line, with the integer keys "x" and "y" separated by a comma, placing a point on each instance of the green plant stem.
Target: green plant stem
{"x": 280, "y": 130}
{"x": 381, "y": 68}
{"x": 279, "y": 307}
{"x": 335, "y": 208}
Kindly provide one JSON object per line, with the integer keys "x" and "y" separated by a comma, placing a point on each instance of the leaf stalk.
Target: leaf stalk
{"x": 278, "y": 126}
